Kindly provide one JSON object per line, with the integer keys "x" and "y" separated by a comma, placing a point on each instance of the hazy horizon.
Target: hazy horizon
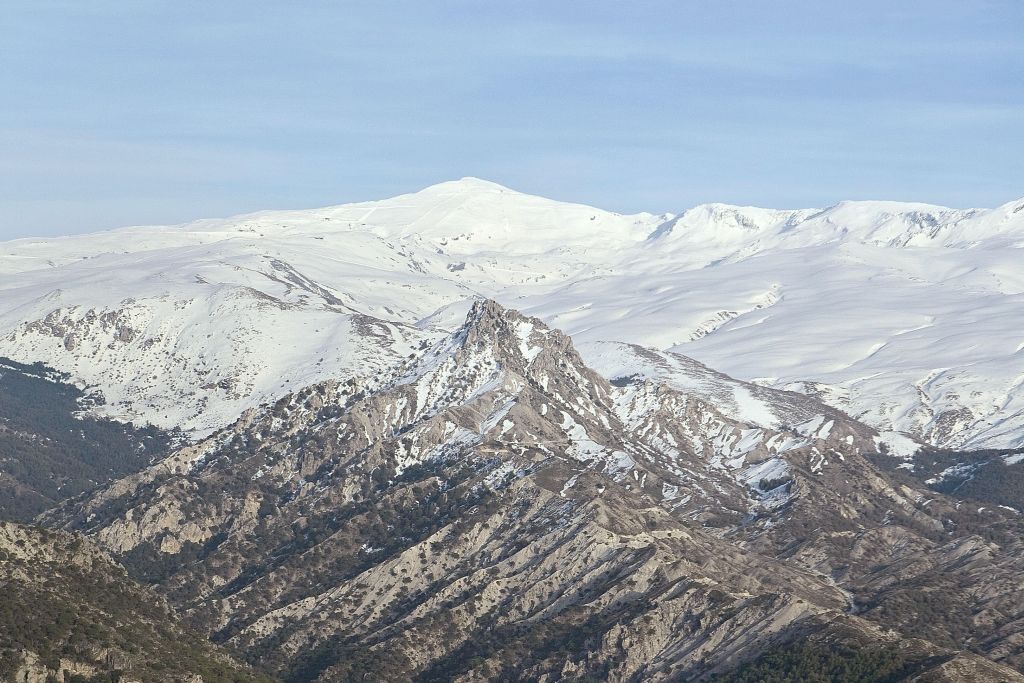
{"x": 677, "y": 211}
{"x": 118, "y": 114}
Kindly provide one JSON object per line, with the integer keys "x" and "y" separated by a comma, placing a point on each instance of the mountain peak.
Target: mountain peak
{"x": 506, "y": 331}
{"x": 471, "y": 215}
{"x": 716, "y": 222}
{"x": 466, "y": 184}
{"x": 484, "y": 310}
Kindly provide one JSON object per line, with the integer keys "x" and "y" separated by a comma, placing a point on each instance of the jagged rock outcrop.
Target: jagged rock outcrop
{"x": 492, "y": 509}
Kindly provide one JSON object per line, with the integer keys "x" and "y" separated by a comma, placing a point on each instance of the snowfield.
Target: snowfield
{"x": 909, "y": 317}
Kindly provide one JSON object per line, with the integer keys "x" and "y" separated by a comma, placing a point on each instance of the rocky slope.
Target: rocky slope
{"x": 490, "y": 508}
{"x": 69, "y": 613}
{"x": 52, "y": 448}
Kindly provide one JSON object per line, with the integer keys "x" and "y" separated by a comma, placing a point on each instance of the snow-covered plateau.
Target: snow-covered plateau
{"x": 909, "y": 317}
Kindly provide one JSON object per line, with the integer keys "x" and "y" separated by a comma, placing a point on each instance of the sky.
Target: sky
{"x": 136, "y": 112}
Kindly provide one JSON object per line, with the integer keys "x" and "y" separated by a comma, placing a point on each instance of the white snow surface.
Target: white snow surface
{"x": 909, "y": 317}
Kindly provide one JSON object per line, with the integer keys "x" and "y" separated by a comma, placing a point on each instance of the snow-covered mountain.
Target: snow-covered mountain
{"x": 493, "y": 484}
{"x": 906, "y": 316}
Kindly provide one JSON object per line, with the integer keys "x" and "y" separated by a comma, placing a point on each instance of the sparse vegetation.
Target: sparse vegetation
{"x": 50, "y": 451}
{"x": 60, "y": 600}
{"x": 816, "y": 662}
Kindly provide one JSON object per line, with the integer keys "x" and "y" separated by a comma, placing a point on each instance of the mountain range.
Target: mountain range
{"x": 470, "y": 434}
{"x": 906, "y": 316}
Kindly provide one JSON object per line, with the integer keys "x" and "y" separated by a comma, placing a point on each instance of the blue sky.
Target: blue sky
{"x": 116, "y": 113}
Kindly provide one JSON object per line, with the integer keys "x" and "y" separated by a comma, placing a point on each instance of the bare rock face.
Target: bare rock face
{"x": 493, "y": 509}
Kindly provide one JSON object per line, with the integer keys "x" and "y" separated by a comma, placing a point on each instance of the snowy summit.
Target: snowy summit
{"x": 906, "y": 316}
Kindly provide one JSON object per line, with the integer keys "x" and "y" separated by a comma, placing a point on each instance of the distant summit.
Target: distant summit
{"x": 905, "y": 315}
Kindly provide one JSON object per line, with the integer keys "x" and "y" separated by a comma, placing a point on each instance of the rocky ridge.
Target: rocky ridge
{"x": 491, "y": 483}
